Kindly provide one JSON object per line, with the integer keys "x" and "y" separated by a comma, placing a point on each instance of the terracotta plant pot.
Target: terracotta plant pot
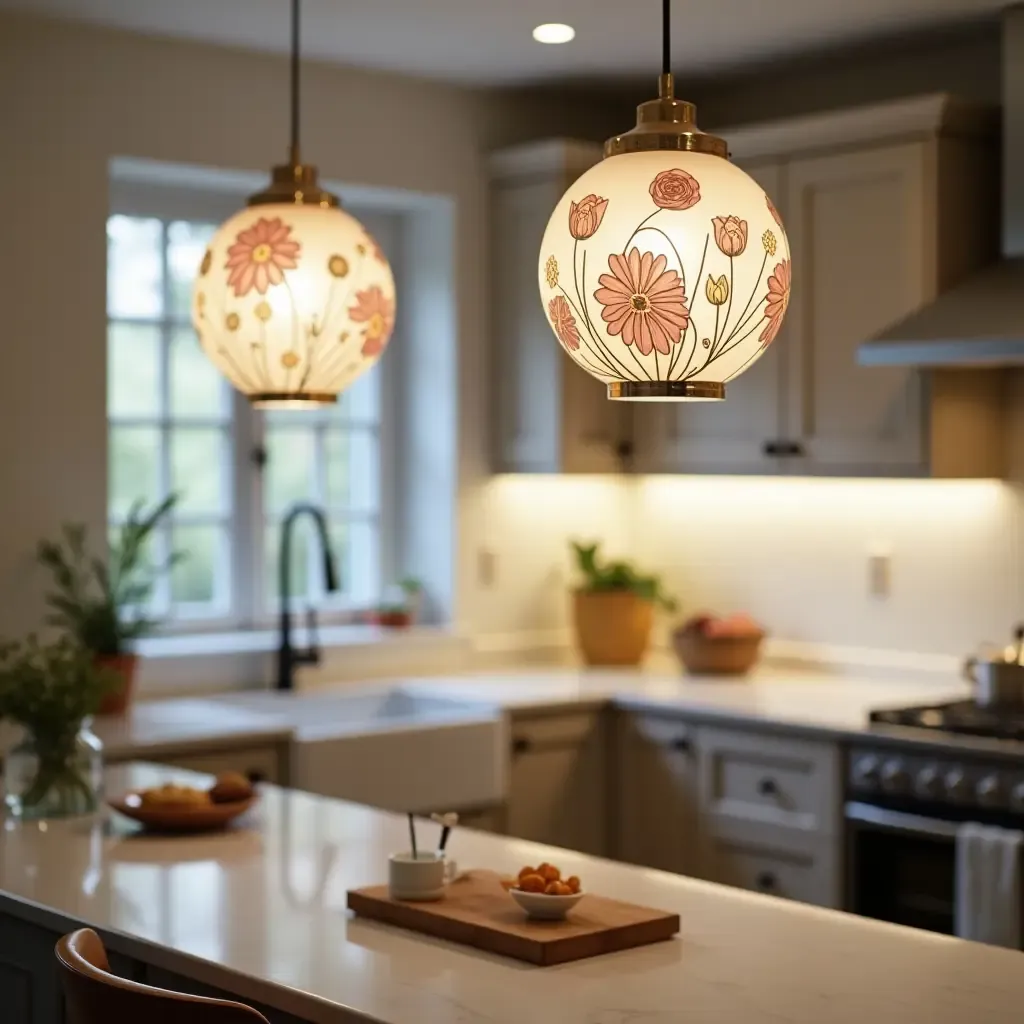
{"x": 117, "y": 702}
{"x": 613, "y": 627}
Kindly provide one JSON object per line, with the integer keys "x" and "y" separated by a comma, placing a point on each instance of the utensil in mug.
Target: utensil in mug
{"x": 416, "y": 876}
{"x": 996, "y": 683}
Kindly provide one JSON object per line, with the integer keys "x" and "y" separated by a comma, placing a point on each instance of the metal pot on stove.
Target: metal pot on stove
{"x": 998, "y": 677}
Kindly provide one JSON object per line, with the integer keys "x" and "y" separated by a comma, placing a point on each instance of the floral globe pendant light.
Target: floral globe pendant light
{"x": 665, "y": 270}
{"x": 294, "y": 298}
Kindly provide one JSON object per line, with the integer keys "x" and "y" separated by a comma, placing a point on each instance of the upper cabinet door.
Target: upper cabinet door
{"x": 863, "y": 253}
{"x": 552, "y": 417}
{"x": 729, "y": 436}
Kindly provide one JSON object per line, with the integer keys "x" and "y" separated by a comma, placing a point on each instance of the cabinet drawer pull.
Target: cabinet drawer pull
{"x": 681, "y": 744}
{"x": 768, "y": 787}
{"x": 520, "y": 745}
{"x": 783, "y": 449}
{"x": 767, "y": 881}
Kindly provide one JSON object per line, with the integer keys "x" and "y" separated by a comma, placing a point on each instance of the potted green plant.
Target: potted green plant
{"x": 51, "y": 691}
{"x": 613, "y": 608}
{"x": 104, "y": 605}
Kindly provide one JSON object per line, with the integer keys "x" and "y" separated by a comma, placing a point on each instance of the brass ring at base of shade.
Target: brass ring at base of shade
{"x": 666, "y": 390}
{"x": 291, "y": 399}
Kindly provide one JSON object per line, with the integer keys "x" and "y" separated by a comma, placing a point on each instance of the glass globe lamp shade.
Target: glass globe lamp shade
{"x": 665, "y": 272}
{"x": 293, "y": 302}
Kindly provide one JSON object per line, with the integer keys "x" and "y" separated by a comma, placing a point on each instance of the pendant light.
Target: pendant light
{"x": 294, "y": 298}
{"x": 664, "y": 270}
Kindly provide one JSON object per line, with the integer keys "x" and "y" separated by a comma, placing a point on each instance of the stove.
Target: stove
{"x": 963, "y": 717}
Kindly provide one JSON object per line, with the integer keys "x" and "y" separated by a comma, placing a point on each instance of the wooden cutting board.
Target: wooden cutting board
{"x": 477, "y": 912}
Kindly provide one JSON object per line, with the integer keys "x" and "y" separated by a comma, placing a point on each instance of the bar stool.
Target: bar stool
{"x": 95, "y": 996}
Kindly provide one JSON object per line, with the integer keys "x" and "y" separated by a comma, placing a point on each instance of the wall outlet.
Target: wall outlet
{"x": 486, "y": 568}
{"x": 879, "y": 573}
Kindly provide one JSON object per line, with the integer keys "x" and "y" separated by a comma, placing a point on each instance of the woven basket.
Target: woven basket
{"x": 717, "y": 655}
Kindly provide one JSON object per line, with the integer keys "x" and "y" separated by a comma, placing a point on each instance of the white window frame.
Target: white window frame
{"x": 249, "y": 607}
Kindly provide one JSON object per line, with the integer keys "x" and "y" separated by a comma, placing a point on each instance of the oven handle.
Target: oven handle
{"x": 898, "y": 821}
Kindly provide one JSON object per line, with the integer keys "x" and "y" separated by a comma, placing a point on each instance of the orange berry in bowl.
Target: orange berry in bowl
{"x": 523, "y": 872}
{"x": 549, "y": 873}
{"x": 573, "y": 882}
{"x": 533, "y": 883}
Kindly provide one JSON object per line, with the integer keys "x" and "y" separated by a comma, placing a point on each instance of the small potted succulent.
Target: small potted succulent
{"x": 103, "y": 605}
{"x": 613, "y": 609}
{"x": 51, "y": 692}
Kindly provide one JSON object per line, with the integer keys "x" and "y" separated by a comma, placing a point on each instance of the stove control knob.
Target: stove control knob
{"x": 866, "y": 772}
{"x": 1017, "y": 797}
{"x": 928, "y": 783}
{"x": 956, "y": 786}
{"x": 895, "y": 778}
{"x": 989, "y": 790}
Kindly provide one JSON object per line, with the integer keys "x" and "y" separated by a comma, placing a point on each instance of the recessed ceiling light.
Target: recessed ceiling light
{"x": 554, "y": 32}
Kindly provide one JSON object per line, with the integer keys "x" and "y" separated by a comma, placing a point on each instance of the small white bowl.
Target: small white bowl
{"x": 544, "y": 907}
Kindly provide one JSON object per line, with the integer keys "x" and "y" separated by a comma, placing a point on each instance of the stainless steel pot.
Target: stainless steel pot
{"x": 996, "y": 683}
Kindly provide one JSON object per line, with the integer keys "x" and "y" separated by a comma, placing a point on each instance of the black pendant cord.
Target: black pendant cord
{"x": 295, "y": 83}
{"x": 666, "y": 38}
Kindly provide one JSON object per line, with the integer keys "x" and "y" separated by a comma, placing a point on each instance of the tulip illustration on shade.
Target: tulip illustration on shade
{"x": 717, "y": 290}
{"x": 730, "y": 234}
{"x": 585, "y": 216}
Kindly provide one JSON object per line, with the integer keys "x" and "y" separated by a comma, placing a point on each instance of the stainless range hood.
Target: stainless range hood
{"x": 979, "y": 322}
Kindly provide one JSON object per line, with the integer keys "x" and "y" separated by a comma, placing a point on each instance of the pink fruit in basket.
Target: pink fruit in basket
{"x": 697, "y": 623}
{"x": 737, "y": 625}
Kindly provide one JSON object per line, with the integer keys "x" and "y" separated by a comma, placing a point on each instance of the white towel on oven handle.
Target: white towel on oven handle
{"x": 988, "y": 884}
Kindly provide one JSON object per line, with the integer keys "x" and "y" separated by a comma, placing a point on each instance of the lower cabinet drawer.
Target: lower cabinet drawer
{"x": 791, "y": 875}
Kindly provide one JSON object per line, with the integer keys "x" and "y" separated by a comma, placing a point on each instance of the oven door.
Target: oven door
{"x": 901, "y": 867}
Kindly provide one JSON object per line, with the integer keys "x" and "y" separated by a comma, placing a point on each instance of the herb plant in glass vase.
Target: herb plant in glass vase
{"x": 51, "y": 692}
{"x": 105, "y": 605}
{"x": 613, "y": 608}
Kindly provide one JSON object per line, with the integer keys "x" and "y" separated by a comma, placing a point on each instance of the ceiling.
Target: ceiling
{"x": 488, "y": 42}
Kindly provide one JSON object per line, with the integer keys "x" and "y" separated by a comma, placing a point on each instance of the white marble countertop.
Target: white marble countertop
{"x": 787, "y": 699}
{"x": 151, "y": 728}
{"x": 260, "y": 912}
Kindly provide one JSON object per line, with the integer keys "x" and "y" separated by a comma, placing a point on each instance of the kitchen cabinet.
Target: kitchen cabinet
{"x": 884, "y": 207}
{"x": 558, "y": 780}
{"x": 656, "y": 793}
{"x": 260, "y": 764}
{"x": 552, "y": 417}
{"x": 770, "y": 805}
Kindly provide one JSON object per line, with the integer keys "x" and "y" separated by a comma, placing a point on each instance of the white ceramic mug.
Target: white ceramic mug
{"x": 421, "y": 877}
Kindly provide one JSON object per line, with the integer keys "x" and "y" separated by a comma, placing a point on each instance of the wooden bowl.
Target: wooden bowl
{"x": 179, "y": 817}
{"x": 543, "y": 907}
{"x": 717, "y": 655}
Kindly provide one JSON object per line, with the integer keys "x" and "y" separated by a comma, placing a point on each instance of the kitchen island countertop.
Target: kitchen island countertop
{"x": 259, "y": 912}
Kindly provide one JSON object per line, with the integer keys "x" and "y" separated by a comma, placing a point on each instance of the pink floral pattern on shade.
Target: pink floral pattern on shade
{"x": 564, "y": 322}
{"x": 675, "y": 189}
{"x": 585, "y": 216}
{"x": 260, "y": 255}
{"x": 773, "y": 211}
{"x": 730, "y": 234}
{"x": 378, "y": 313}
{"x": 643, "y": 302}
{"x": 776, "y": 302}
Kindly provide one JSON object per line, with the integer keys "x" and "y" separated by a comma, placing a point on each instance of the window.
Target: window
{"x": 176, "y": 426}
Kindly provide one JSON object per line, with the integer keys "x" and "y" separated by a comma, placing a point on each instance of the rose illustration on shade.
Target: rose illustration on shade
{"x": 730, "y": 234}
{"x": 776, "y": 302}
{"x": 717, "y": 290}
{"x": 378, "y": 313}
{"x": 675, "y": 190}
{"x": 260, "y": 255}
{"x": 585, "y": 216}
{"x": 643, "y": 302}
{"x": 564, "y": 322}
